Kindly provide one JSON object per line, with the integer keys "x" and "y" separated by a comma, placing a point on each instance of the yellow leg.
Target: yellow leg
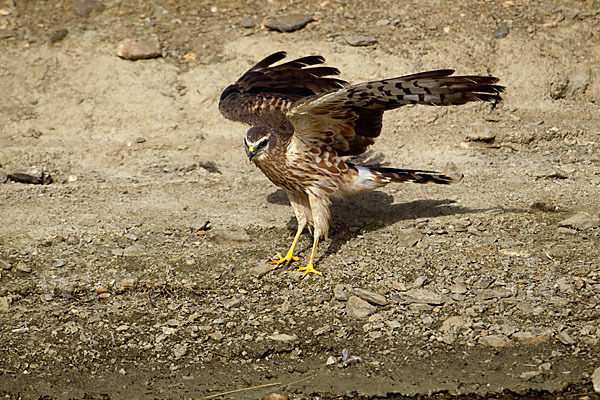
{"x": 289, "y": 257}
{"x": 310, "y": 267}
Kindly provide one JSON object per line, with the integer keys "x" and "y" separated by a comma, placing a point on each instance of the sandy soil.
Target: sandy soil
{"x": 134, "y": 273}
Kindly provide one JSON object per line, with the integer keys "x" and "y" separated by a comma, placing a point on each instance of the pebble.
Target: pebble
{"x": 532, "y": 338}
{"x": 134, "y": 250}
{"x": 282, "y": 337}
{"x": 179, "y": 350}
{"x": 488, "y": 294}
{"x": 452, "y": 323}
{"x": 277, "y": 396}
{"x": 580, "y": 221}
{"x": 262, "y": 269}
{"x": 5, "y": 304}
{"x": 530, "y": 374}
{"x": 86, "y": 7}
{"x": 22, "y": 267}
{"x": 340, "y": 293}
{"x": 32, "y": 175}
{"x": 137, "y": 49}
{"x": 58, "y": 35}
{"x": 371, "y": 297}
{"x": 546, "y": 172}
{"x": 596, "y": 379}
{"x": 408, "y": 237}
{"x": 459, "y": 288}
{"x": 422, "y": 296}
{"x": 330, "y": 360}
{"x": 217, "y": 336}
{"x": 131, "y": 236}
{"x": 59, "y": 264}
{"x": 234, "y": 235}
{"x": 565, "y": 338}
{"x": 247, "y": 23}
{"x": 495, "y": 341}
{"x": 501, "y": 32}
{"x": 480, "y": 132}
{"x": 288, "y": 23}
{"x": 359, "y": 308}
{"x": 357, "y": 40}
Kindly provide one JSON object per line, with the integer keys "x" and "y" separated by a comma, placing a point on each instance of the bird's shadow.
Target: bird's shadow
{"x": 373, "y": 210}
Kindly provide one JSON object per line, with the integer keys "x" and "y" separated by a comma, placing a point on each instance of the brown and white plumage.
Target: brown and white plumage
{"x": 304, "y": 121}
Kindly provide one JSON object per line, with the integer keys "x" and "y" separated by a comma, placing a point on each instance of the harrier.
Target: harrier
{"x": 304, "y": 122}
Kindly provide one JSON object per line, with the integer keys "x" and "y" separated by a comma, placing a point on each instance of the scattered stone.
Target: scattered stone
{"x": 340, "y": 293}
{"x": 137, "y": 49}
{"x": 393, "y": 324}
{"x": 580, "y": 221}
{"x": 58, "y": 35}
{"x": 60, "y": 263}
{"x": 357, "y": 40}
{"x": 288, "y": 23}
{"x": 262, "y": 269}
{"x": 134, "y": 250}
{"x": 86, "y": 7}
{"x": 33, "y": 175}
{"x": 324, "y": 329}
{"x": 22, "y": 267}
{"x": 233, "y": 302}
{"x": 5, "y": 304}
{"x": 282, "y": 337}
{"x": 422, "y": 296}
{"x": 330, "y": 360}
{"x": 532, "y": 338}
{"x": 408, "y": 237}
{"x": 179, "y": 350}
{"x": 359, "y": 308}
{"x": 565, "y": 338}
{"x": 480, "y": 132}
{"x": 547, "y": 172}
{"x": 453, "y": 323}
{"x": 247, "y": 23}
{"x": 530, "y": 374}
{"x": 488, "y": 294}
{"x": 131, "y": 236}
{"x": 501, "y": 32}
{"x": 216, "y": 336}
{"x": 122, "y": 328}
{"x": 371, "y": 297}
{"x": 277, "y": 396}
{"x": 459, "y": 288}
{"x": 495, "y": 341}
{"x": 419, "y": 282}
{"x": 234, "y": 236}
{"x": 596, "y": 379}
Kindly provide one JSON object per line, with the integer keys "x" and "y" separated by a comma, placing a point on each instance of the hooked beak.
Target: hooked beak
{"x": 251, "y": 153}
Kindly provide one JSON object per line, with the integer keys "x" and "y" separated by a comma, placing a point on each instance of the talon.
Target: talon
{"x": 287, "y": 259}
{"x": 308, "y": 269}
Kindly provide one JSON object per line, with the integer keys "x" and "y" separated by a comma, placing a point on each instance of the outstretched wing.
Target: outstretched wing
{"x": 263, "y": 94}
{"x": 350, "y": 118}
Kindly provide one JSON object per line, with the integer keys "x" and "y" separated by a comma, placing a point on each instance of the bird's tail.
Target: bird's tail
{"x": 362, "y": 178}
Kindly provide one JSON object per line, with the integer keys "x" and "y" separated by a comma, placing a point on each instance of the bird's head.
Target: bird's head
{"x": 257, "y": 141}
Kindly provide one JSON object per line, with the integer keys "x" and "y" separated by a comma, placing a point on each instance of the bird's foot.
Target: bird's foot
{"x": 309, "y": 268}
{"x": 287, "y": 259}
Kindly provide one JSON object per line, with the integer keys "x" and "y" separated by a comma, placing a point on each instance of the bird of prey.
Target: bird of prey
{"x": 304, "y": 121}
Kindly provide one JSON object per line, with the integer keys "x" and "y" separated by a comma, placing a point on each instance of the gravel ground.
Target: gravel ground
{"x": 133, "y": 256}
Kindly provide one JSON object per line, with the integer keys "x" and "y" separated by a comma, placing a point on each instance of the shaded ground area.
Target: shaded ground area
{"x": 140, "y": 271}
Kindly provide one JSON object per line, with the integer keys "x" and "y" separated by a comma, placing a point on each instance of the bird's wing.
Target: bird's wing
{"x": 350, "y": 118}
{"x": 264, "y": 93}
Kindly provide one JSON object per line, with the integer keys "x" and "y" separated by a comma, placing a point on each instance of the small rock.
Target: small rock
{"x": 247, "y": 23}
{"x": 234, "y": 236}
{"x": 33, "y": 175}
{"x": 419, "y": 282}
{"x": 60, "y": 263}
{"x": 58, "y": 35}
{"x": 530, "y": 374}
{"x": 134, "y": 250}
{"x": 5, "y": 304}
{"x": 495, "y": 341}
{"x": 86, "y": 7}
{"x": 340, "y": 293}
{"x": 262, "y": 269}
{"x": 277, "y": 396}
{"x": 359, "y": 308}
{"x": 322, "y": 330}
{"x": 488, "y": 294}
{"x": 131, "y": 236}
{"x": 452, "y": 323}
{"x": 459, "y": 288}
{"x": 179, "y": 350}
{"x": 547, "y": 172}
{"x": 393, "y": 324}
{"x": 357, "y": 40}
{"x": 216, "y": 336}
{"x": 137, "y": 49}
{"x": 596, "y": 379}
{"x": 565, "y": 338}
{"x": 282, "y": 337}
{"x": 330, "y": 360}
{"x": 122, "y": 328}
{"x": 22, "y": 267}
{"x": 233, "y": 302}
{"x": 422, "y": 296}
{"x": 532, "y": 338}
{"x": 580, "y": 221}
{"x": 480, "y": 132}
{"x": 371, "y": 297}
{"x": 288, "y": 23}
{"x": 501, "y": 32}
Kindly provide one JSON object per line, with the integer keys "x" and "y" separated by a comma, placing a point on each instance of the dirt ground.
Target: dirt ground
{"x": 139, "y": 272}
